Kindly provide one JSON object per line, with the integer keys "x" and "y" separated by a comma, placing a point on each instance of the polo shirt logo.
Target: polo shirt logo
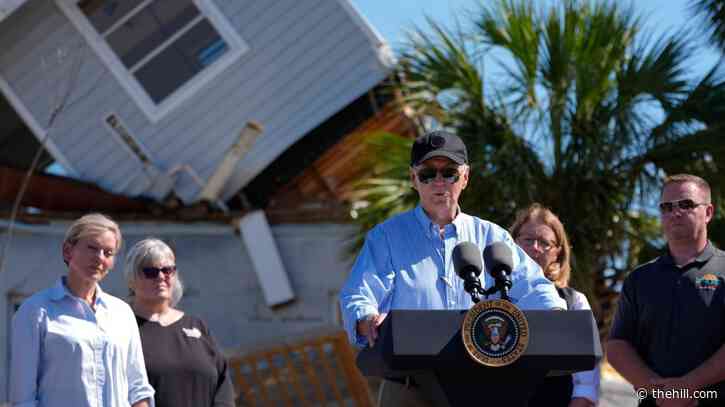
{"x": 192, "y": 333}
{"x": 708, "y": 282}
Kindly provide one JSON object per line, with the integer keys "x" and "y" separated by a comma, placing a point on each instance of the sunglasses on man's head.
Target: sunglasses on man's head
{"x": 153, "y": 272}
{"x": 684, "y": 204}
{"x": 426, "y": 175}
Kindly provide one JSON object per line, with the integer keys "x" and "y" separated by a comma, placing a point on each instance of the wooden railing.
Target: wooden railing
{"x": 314, "y": 372}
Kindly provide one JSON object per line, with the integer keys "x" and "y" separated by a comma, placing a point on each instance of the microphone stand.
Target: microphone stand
{"x": 502, "y": 284}
{"x": 473, "y": 287}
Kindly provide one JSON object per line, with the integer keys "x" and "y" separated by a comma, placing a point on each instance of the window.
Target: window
{"x": 161, "y": 50}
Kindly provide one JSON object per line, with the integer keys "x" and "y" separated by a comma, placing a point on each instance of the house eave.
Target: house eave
{"x": 7, "y": 7}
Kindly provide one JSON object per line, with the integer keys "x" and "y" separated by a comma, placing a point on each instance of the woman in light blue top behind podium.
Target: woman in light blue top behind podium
{"x": 73, "y": 344}
{"x": 542, "y": 236}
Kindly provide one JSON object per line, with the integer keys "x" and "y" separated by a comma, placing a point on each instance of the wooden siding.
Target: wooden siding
{"x": 306, "y": 61}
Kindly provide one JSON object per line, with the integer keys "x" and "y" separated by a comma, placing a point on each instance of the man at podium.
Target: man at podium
{"x": 406, "y": 261}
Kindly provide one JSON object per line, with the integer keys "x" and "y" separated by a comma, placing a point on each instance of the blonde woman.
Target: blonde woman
{"x": 542, "y": 236}
{"x": 184, "y": 363}
{"x": 73, "y": 344}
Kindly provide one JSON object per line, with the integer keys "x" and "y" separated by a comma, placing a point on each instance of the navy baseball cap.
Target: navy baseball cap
{"x": 438, "y": 143}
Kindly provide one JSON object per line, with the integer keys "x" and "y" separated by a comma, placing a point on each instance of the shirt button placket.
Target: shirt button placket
{"x": 439, "y": 247}
{"x": 446, "y": 257}
{"x": 676, "y": 315}
{"x": 100, "y": 371}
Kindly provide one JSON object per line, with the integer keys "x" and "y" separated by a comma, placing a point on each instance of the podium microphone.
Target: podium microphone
{"x": 499, "y": 262}
{"x": 467, "y": 263}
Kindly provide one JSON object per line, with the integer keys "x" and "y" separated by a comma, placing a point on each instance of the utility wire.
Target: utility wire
{"x": 60, "y": 101}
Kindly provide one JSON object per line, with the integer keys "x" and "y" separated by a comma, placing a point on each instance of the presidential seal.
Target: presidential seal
{"x": 495, "y": 333}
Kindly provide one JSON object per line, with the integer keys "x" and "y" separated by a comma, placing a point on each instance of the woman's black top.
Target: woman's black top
{"x": 184, "y": 364}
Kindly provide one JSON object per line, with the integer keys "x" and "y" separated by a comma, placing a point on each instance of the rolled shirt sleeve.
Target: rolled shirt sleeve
{"x": 586, "y": 384}
{"x": 224, "y": 395}
{"x": 625, "y": 321}
{"x": 27, "y": 334}
{"x": 139, "y": 388}
{"x": 369, "y": 284}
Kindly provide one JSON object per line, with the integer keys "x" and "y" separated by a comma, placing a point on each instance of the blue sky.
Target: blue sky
{"x": 392, "y": 17}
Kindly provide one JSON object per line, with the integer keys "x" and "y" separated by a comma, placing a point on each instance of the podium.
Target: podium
{"x": 426, "y": 345}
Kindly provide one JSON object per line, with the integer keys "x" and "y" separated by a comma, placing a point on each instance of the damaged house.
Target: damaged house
{"x": 230, "y": 129}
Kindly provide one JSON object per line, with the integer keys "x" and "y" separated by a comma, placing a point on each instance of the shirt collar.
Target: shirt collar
{"x": 60, "y": 290}
{"x": 432, "y": 228}
{"x": 703, "y": 257}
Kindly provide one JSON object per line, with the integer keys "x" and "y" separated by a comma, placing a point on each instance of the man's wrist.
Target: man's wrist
{"x": 364, "y": 313}
{"x": 364, "y": 322}
{"x": 365, "y": 318}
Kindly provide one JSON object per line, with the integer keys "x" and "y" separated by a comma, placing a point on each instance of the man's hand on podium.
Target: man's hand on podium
{"x": 368, "y": 327}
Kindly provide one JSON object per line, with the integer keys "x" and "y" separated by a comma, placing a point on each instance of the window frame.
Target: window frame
{"x": 155, "y": 112}
{"x": 123, "y": 143}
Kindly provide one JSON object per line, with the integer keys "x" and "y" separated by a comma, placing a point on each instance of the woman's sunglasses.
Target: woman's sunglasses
{"x": 153, "y": 272}
{"x": 426, "y": 175}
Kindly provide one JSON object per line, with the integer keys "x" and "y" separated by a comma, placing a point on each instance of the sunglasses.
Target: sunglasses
{"x": 684, "y": 204}
{"x": 426, "y": 175}
{"x": 153, "y": 272}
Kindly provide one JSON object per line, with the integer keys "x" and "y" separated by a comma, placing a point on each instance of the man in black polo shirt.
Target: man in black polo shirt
{"x": 668, "y": 334}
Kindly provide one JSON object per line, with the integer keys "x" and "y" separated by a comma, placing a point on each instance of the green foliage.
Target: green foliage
{"x": 388, "y": 191}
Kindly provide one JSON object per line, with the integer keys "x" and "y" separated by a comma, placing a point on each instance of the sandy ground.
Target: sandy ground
{"x": 614, "y": 390}
{"x": 616, "y": 393}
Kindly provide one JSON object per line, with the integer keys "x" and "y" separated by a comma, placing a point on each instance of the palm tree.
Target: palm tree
{"x": 712, "y": 14}
{"x": 587, "y": 114}
{"x": 710, "y": 19}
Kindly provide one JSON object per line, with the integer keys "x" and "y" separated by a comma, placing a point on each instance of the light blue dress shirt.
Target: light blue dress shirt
{"x": 65, "y": 354}
{"x": 405, "y": 264}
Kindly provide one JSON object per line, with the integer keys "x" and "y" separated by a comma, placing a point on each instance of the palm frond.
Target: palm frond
{"x": 712, "y": 14}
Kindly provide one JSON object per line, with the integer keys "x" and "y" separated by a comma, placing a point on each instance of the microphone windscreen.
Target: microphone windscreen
{"x": 497, "y": 257}
{"x": 467, "y": 259}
